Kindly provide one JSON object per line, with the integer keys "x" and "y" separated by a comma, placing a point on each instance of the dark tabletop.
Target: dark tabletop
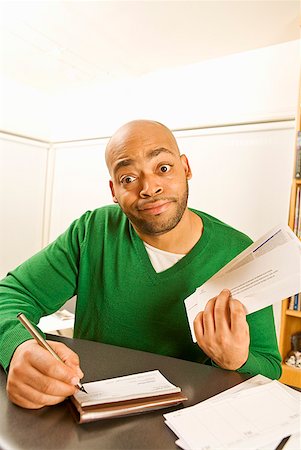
{"x": 54, "y": 428}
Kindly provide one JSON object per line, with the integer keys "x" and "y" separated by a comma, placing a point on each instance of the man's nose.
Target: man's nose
{"x": 150, "y": 187}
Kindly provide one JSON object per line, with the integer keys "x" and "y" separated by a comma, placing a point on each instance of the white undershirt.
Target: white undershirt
{"x": 160, "y": 259}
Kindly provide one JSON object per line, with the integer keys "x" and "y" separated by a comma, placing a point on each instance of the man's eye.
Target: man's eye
{"x": 165, "y": 168}
{"x": 127, "y": 180}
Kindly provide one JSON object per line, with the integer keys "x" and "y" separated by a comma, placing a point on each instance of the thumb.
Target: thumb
{"x": 68, "y": 356}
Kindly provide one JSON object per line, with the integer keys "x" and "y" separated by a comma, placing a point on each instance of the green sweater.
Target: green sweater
{"x": 121, "y": 300}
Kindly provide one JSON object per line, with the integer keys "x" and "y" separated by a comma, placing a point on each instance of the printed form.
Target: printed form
{"x": 266, "y": 272}
{"x": 256, "y": 414}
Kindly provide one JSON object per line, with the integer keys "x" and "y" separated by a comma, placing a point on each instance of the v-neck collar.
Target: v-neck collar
{"x": 198, "y": 249}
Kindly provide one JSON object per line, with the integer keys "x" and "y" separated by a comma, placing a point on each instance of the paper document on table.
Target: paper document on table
{"x": 248, "y": 416}
{"x": 121, "y": 396}
{"x": 59, "y": 320}
{"x": 138, "y": 385}
{"x": 266, "y": 272}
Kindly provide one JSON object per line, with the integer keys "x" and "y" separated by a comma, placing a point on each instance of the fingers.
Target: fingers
{"x": 44, "y": 391}
{"x": 208, "y": 317}
{"x": 222, "y": 331}
{"x": 216, "y": 315}
{"x": 41, "y": 360}
{"x": 54, "y": 382}
{"x": 70, "y": 358}
{"x": 222, "y": 311}
{"x": 198, "y": 325}
{"x": 36, "y": 378}
{"x": 238, "y": 316}
{"x": 204, "y": 322}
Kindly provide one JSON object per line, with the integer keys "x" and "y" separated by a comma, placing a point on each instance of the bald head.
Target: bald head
{"x": 139, "y": 134}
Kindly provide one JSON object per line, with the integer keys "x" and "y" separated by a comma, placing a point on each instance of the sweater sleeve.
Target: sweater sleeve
{"x": 38, "y": 287}
{"x": 264, "y": 357}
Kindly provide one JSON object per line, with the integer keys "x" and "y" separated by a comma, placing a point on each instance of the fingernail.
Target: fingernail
{"x": 74, "y": 381}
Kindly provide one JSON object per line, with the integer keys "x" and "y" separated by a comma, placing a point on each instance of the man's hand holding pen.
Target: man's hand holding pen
{"x": 36, "y": 378}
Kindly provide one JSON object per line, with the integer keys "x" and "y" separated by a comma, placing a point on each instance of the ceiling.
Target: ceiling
{"x": 53, "y": 45}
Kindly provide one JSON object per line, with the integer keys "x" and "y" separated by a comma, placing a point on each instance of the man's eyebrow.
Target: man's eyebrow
{"x": 153, "y": 153}
{"x": 123, "y": 163}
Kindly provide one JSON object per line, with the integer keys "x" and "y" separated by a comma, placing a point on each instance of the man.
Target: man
{"x": 131, "y": 267}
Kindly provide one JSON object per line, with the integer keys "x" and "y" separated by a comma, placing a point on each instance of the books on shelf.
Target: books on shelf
{"x": 294, "y": 303}
{"x": 298, "y": 156}
{"x": 127, "y": 395}
{"x": 297, "y": 217}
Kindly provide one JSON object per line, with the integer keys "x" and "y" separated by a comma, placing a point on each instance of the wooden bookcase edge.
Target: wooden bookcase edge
{"x": 291, "y": 320}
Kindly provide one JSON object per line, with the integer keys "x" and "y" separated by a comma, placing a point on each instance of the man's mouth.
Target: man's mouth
{"x": 155, "y": 208}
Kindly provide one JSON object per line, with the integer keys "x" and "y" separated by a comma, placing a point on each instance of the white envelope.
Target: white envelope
{"x": 266, "y": 272}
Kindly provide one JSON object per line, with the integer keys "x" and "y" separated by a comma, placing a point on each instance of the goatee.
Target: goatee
{"x": 158, "y": 225}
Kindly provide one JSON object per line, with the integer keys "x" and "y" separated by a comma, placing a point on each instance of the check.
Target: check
{"x": 126, "y": 395}
{"x": 268, "y": 271}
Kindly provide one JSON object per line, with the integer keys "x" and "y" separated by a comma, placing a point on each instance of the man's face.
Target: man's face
{"x": 149, "y": 177}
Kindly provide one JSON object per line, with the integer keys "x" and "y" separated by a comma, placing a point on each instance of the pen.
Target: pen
{"x": 41, "y": 341}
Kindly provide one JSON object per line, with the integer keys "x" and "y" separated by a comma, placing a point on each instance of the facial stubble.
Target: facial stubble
{"x": 158, "y": 225}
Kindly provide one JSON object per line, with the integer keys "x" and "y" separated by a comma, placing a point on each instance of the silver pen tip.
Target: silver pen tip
{"x": 83, "y": 389}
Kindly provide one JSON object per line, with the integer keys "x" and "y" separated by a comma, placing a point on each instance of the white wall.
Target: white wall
{"x": 80, "y": 181}
{"x": 24, "y": 110}
{"x": 257, "y": 85}
{"x": 22, "y": 189}
{"x": 242, "y": 174}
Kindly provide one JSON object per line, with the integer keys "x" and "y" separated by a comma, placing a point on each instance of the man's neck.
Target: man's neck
{"x": 180, "y": 239}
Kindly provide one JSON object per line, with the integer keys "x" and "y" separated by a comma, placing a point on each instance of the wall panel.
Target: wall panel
{"x": 80, "y": 183}
{"x": 22, "y": 189}
{"x": 242, "y": 174}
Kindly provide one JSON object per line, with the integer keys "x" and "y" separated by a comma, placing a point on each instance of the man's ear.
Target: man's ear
{"x": 113, "y": 192}
{"x": 186, "y": 166}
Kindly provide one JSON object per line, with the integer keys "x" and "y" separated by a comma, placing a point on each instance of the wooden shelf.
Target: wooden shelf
{"x": 290, "y": 324}
{"x": 291, "y": 312}
{"x": 291, "y": 319}
{"x": 291, "y": 376}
